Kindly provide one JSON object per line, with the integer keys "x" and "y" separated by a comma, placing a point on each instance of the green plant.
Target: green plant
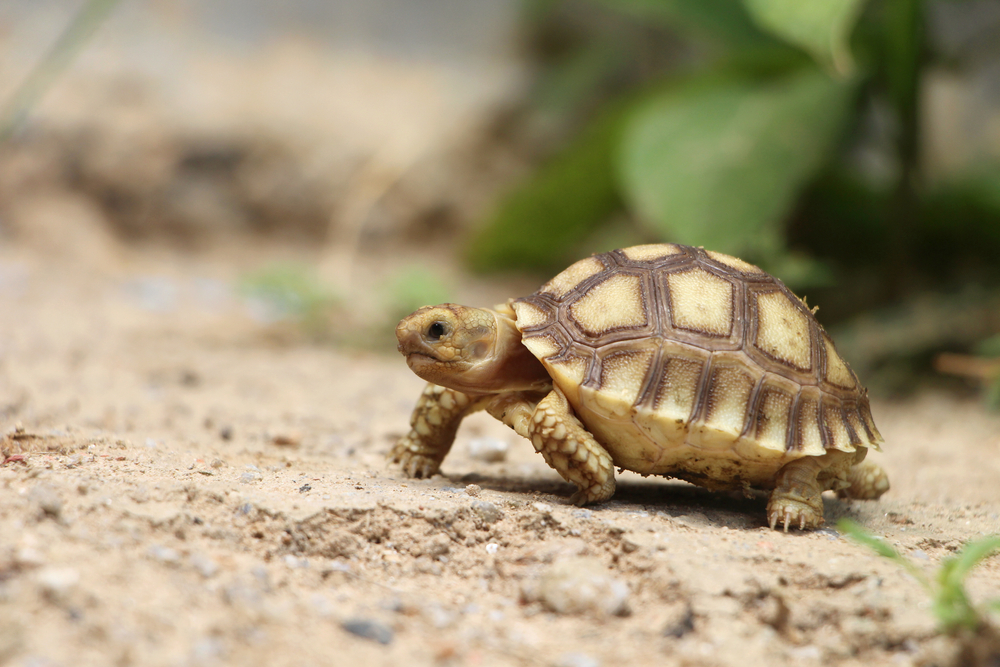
{"x": 89, "y": 17}
{"x": 751, "y": 149}
{"x": 289, "y": 292}
{"x": 951, "y": 605}
{"x": 410, "y": 288}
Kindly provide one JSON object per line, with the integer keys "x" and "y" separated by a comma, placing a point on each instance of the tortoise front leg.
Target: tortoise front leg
{"x": 562, "y": 441}
{"x": 433, "y": 426}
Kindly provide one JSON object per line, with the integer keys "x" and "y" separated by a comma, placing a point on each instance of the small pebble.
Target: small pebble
{"x": 492, "y": 548}
{"x": 286, "y": 439}
{"x": 486, "y": 511}
{"x": 489, "y": 450}
{"x": 250, "y": 477}
{"x": 48, "y": 500}
{"x": 163, "y": 554}
{"x": 577, "y": 660}
{"x": 473, "y": 490}
{"x": 205, "y": 566}
{"x": 369, "y": 629}
{"x": 57, "y": 582}
{"x": 582, "y": 585}
{"x": 294, "y": 562}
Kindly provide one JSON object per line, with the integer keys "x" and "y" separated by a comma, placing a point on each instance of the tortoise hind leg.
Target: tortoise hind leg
{"x": 799, "y": 485}
{"x": 867, "y": 481}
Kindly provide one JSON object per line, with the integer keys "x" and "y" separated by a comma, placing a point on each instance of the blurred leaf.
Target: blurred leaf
{"x": 951, "y": 604}
{"x": 288, "y": 291}
{"x": 799, "y": 271}
{"x": 411, "y": 288}
{"x": 821, "y": 27}
{"x": 992, "y": 394}
{"x": 537, "y": 224}
{"x": 860, "y": 535}
{"x": 882, "y": 548}
{"x": 725, "y": 21}
{"x": 989, "y": 347}
{"x": 720, "y": 165}
{"x": 571, "y": 82}
{"x": 959, "y": 565}
{"x": 88, "y": 19}
{"x": 917, "y": 326}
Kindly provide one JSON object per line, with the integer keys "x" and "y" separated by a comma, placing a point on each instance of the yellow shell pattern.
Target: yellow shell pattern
{"x": 694, "y": 364}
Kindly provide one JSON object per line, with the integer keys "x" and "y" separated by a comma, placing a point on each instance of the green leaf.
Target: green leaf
{"x": 821, "y": 27}
{"x": 725, "y": 21}
{"x": 720, "y": 163}
{"x": 860, "y": 535}
{"x": 880, "y": 547}
{"x": 537, "y": 225}
{"x": 971, "y": 554}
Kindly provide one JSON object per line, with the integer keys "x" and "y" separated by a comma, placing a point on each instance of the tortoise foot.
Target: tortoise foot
{"x": 595, "y": 493}
{"x": 867, "y": 481}
{"x": 794, "y": 512}
{"x": 411, "y": 460}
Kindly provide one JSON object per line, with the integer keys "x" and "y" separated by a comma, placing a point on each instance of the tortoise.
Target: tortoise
{"x": 662, "y": 359}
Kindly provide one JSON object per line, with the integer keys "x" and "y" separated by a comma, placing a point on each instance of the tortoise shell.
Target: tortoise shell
{"x": 694, "y": 364}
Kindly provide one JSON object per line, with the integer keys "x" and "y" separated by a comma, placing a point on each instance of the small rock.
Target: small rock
{"x": 577, "y": 660}
{"x": 582, "y": 585}
{"x": 489, "y": 450}
{"x": 163, "y": 554}
{"x": 682, "y": 626}
{"x": 205, "y": 566}
{"x": 250, "y": 477}
{"x": 29, "y": 557}
{"x": 438, "y": 545}
{"x": 291, "y": 439}
{"x": 486, "y": 511}
{"x": 48, "y": 500}
{"x": 492, "y": 548}
{"x": 473, "y": 490}
{"x": 57, "y": 582}
{"x": 294, "y": 562}
{"x": 305, "y": 488}
{"x": 369, "y": 629}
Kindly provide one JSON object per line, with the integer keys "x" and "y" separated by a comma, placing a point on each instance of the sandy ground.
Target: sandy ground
{"x": 180, "y": 490}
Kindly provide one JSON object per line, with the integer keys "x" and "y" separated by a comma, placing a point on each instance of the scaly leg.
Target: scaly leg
{"x": 867, "y": 481}
{"x": 433, "y": 425}
{"x": 562, "y": 440}
{"x": 797, "y": 495}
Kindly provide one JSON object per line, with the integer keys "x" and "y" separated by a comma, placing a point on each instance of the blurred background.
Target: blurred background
{"x": 346, "y": 162}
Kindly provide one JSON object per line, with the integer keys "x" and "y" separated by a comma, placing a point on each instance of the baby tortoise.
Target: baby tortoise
{"x": 662, "y": 359}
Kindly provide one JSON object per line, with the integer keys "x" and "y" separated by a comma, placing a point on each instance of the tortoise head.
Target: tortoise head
{"x": 473, "y": 350}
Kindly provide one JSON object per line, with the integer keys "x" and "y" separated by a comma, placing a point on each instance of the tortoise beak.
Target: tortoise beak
{"x": 409, "y": 341}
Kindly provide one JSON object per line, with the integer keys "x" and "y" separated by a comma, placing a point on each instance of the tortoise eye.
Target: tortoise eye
{"x": 436, "y": 330}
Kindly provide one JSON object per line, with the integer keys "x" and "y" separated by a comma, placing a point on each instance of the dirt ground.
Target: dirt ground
{"x": 180, "y": 489}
